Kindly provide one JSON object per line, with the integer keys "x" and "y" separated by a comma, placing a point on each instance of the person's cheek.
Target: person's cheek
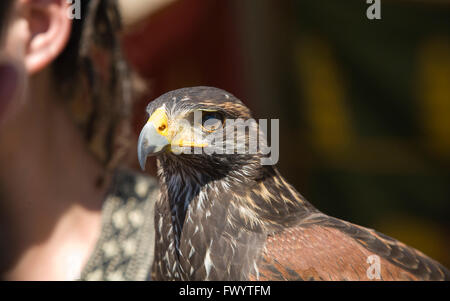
{"x": 11, "y": 89}
{"x": 12, "y": 69}
{"x": 8, "y": 84}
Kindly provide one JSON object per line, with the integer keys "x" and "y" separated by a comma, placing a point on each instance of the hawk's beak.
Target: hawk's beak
{"x": 153, "y": 138}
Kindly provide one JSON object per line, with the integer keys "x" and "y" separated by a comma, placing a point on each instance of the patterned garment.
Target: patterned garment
{"x": 125, "y": 248}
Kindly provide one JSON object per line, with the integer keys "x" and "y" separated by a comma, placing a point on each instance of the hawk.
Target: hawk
{"x": 223, "y": 215}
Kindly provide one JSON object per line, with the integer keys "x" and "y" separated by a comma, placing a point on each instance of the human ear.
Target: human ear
{"x": 49, "y": 28}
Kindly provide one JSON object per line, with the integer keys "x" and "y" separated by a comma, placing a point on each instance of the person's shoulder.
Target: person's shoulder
{"x": 132, "y": 184}
{"x": 124, "y": 250}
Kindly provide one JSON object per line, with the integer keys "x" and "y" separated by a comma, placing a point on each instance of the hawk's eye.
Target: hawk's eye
{"x": 212, "y": 121}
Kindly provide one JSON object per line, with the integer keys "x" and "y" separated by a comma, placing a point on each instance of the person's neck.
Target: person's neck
{"x": 48, "y": 190}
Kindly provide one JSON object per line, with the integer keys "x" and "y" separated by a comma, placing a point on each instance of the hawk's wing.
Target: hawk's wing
{"x": 325, "y": 248}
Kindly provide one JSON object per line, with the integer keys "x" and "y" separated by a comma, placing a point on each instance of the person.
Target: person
{"x": 68, "y": 209}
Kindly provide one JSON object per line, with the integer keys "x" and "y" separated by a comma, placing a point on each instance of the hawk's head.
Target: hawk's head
{"x": 201, "y": 129}
{"x": 215, "y": 182}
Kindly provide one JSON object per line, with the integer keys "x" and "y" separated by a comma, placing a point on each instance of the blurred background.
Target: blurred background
{"x": 364, "y": 105}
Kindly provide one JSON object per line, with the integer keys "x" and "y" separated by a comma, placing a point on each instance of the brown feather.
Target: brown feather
{"x": 316, "y": 252}
{"x": 214, "y": 222}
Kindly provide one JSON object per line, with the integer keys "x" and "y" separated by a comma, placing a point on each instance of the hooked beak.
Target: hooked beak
{"x": 151, "y": 142}
{"x": 155, "y": 137}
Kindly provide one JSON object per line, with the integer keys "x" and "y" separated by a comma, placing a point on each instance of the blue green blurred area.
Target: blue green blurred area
{"x": 372, "y": 101}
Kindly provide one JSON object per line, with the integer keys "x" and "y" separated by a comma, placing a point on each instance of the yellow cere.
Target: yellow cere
{"x": 160, "y": 121}
{"x": 191, "y": 144}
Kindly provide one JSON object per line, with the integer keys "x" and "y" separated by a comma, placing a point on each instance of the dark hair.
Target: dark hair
{"x": 93, "y": 59}
{"x": 5, "y": 7}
